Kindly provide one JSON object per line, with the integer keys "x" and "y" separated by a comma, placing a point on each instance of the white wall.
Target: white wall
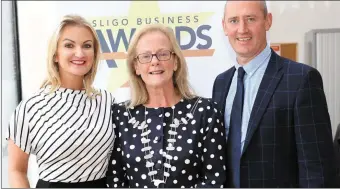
{"x": 36, "y": 21}
{"x": 292, "y": 19}
{"x": 1, "y": 175}
{"x": 9, "y": 92}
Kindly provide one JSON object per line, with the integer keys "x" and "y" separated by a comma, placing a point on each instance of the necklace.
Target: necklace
{"x": 147, "y": 148}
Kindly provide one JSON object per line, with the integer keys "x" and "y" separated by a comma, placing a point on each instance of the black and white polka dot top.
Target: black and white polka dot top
{"x": 172, "y": 147}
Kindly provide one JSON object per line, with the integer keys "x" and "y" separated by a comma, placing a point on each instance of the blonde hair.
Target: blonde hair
{"x": 53, "y": 77}
{"x": 139, "y": 94}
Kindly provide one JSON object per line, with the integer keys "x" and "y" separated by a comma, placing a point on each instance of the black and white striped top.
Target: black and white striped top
{"x": 70, "y": 133}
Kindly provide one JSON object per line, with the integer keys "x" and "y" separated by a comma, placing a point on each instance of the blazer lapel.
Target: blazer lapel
{"x": 267, "y": 87}
{"x": 225, "y": 89}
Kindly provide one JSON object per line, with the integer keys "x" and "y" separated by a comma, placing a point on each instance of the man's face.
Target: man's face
{"x": 245, "y": 25}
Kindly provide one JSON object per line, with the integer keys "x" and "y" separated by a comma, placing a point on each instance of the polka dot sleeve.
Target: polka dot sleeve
{"x": 214, "y": 143}
{"x": 116, "y": 174}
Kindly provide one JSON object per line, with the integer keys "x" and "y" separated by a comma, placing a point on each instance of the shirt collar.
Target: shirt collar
{"x": 255, "y": 63}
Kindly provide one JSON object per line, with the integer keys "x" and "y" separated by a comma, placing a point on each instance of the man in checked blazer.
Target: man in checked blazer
{"x": 281, "y": 114}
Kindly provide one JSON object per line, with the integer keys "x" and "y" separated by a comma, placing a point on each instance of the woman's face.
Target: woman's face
{"x": 75, "y": 51}
{"x": 155, "y": 61}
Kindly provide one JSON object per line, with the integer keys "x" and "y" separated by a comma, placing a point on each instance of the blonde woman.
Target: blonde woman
{"x": 66, "y": 123}
{"x": 166, "y": 135}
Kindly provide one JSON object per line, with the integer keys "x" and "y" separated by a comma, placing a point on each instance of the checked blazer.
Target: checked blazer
{"x": 289, "y": 137}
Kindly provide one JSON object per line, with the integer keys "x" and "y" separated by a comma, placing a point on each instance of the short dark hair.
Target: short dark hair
{"x": 263, "y": 4}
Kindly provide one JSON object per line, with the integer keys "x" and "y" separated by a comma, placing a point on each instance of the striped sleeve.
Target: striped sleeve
{"x": 111, "y": 96}
{"x": 18, "y": 129}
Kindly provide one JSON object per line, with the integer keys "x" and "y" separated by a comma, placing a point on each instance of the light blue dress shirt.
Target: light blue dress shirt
{"x": 255, "y": 70}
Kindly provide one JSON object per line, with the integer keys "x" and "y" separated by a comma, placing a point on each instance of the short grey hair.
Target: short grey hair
{"x": 263, "y": 5}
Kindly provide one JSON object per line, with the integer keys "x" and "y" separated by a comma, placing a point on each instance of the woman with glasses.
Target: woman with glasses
{"x": 166, "y": 135}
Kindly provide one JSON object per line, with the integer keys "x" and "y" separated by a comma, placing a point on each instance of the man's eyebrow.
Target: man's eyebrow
{"x": 234, "y": 17}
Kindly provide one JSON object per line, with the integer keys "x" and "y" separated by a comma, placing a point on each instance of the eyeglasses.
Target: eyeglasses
{"x": 161, "y": 56}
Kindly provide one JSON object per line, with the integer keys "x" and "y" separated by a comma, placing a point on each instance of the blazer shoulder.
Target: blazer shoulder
{"x": 293, "y": 67}
{"x": 225, "y": 73}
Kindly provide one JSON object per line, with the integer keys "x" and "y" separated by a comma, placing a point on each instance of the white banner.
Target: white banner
{"x": 198, "y": 31}
{"x": 197, "y": 26}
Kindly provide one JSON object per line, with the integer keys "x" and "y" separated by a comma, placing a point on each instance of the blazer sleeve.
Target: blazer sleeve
{"x": 214, "y": 97}
{"x": 313, "y": 134}
{"x": 337, "y": 155}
